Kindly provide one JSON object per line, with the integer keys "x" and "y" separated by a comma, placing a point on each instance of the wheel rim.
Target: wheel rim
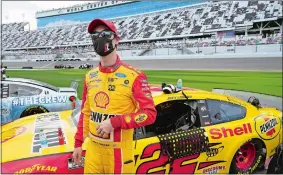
{"x": 245, "y": 156}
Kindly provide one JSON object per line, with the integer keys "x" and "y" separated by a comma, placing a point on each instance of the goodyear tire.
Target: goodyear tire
{"x": 33, "y": 110}
{"x": 247, "y": 158}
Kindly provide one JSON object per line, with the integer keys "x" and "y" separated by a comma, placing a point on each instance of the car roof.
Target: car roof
{"x": 22, "y": 80}
{"x": 31, "y": 82}
{"x": 193, "y": 93}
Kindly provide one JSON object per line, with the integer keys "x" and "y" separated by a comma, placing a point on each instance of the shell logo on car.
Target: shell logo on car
{"x": 7, "y": 135}
{"x": 230, "y": 132}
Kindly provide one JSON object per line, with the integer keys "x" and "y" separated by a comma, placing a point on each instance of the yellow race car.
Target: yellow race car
{"x": 195, "y": 132}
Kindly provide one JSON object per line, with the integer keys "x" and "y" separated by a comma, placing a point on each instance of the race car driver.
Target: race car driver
{"x": 116, "y": 99}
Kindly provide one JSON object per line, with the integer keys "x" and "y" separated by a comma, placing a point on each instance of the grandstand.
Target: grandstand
{"x": 156, "y": 28}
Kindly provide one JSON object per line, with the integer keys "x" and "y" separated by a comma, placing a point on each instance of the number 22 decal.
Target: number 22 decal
{"x": 162, "y": 160}
{"x": 175, "y": 168}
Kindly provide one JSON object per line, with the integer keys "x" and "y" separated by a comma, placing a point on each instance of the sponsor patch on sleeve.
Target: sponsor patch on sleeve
{"x": 128, "y": 119}
{"x": 140, "y": 118}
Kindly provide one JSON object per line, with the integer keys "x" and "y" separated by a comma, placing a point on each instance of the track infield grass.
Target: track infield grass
{"x": 261, "y": 82}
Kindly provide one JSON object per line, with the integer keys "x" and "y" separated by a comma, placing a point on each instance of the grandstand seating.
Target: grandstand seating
{"x": 190, "y": 20}
{"x": 13, "y": 27}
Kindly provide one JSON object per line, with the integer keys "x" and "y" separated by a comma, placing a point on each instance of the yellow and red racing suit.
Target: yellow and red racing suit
{"x": 119, "y": 93}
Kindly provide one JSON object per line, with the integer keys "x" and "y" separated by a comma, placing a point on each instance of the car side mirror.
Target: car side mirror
{"x": 217, "y": 116}
{"x": 15, "y": 93}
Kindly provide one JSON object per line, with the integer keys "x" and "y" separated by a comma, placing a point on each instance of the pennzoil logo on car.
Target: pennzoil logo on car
{"x": 267, "y": 127}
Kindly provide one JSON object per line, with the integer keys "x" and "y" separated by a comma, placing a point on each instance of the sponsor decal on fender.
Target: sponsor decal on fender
{"x": 177, "y": 97}
{"x": 37, "y": 168}
{"x": 267, "y": 127}
{"x": 50, "y": 124}
{"x": 101, "y": 99}
{"x": 140, "y": 118}
{"x": 217, "y": 133}
{"x": 11, "y": 133}
{"x": 213, "y": 170}
{"x": 38, "y": 100}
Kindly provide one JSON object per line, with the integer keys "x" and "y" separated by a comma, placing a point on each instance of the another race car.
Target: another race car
{"x": 195, "y": 132}
{"x": 69, "y": 66}
{"x": 85, "y": 66}
{"x": 62, "y": 66}
{"x": 23, "y": 97}
{"x": 59, "y": 66}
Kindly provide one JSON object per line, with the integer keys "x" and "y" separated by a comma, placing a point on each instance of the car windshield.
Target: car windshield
{"x": 44, "y": 85}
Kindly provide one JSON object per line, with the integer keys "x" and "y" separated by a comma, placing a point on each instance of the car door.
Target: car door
{"x": 21, "y": 96}
{"x": 225, "y": 119}
{"x": 226, "y": 128}
{"x": 184, "y": 151}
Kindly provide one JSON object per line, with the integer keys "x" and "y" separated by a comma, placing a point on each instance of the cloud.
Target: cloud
{"x": 19, "y": 11}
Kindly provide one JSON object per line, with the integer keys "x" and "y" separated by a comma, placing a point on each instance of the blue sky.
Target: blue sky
{"x": 18, "y": 11}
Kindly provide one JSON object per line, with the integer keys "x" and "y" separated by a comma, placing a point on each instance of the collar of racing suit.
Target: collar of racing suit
{"x": 112, "y": 68}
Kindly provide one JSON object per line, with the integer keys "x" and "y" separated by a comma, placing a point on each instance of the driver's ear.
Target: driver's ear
{"x": 116, "y": 42}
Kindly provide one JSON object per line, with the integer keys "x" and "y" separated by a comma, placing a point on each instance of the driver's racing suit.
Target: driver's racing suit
{"x": 119, "y": 93}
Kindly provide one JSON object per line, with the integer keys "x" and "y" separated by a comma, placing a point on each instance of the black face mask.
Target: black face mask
{"x": 103, "y": 46}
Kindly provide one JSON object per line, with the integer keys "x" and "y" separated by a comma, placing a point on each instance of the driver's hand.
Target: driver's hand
{"x": 77, "y": 156}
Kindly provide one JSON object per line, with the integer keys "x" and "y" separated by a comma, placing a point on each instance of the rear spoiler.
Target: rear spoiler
{"x": 74, "y": 84}
{"x": 264, "y": 99}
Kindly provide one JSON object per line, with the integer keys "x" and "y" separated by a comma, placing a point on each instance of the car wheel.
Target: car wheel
{"x": 247, "y": 158}
{"x": 33, "y": 110}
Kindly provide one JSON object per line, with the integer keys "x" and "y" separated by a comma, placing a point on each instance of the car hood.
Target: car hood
{"x": 20, "y": 138}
